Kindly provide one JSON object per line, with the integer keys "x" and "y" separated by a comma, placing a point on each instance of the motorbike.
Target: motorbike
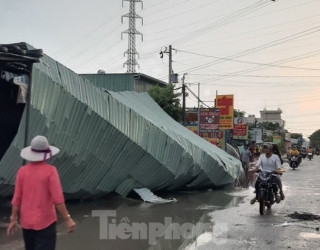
{"x": 310, "y": 156}
{"x": 267, "y": 191}
{"x": 294, "y": 162}
{"x": 304, "y": 155}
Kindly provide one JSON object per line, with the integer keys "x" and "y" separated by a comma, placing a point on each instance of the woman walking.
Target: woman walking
{"x": 37, "y": 196}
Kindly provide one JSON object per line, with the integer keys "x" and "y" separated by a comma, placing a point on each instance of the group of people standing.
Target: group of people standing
{"x": 249, "y": 154}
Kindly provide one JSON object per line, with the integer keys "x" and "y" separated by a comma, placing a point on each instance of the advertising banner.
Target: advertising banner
{"x": 216, "y": 137}
{"x": 209, "y": 119}
{"x": 257, "y": 135}
{"x": 277, "y": 139}
{"x": 225, "y": 104}
{"x": 240, "y": 128}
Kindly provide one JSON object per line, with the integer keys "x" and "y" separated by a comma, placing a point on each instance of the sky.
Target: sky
{"x": 265, "y": 53}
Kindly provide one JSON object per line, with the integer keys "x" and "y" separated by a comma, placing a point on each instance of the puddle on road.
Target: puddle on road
{"x": 304, "y": 216}
{"x": 192, "y": 210}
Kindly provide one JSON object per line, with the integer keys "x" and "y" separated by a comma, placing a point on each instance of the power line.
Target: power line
{"x": 189, "y": 24}
{"x": 170, "y": 7}
{"x": 88, "y": 35}
{"x": 310, "y": 54}
{"x": 256, "y": 76}
{"x": 152, "y": 6}
{"x": 245, "y": 53}
{"x": 252, "y": 31}
{"x": 181, "y": 13}
{"x": 261, "y": 47}
{"x": 250, "y": 38}
{"x": 196, "y": 96}
{"x": 304, "y": 115}
{"x": 230, "y": 18}
{"x": 241, "y": 61}
{"x": 87, "y": 49}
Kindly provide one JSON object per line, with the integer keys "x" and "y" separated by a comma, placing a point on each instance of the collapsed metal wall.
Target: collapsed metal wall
{"x": 112, "y": 141}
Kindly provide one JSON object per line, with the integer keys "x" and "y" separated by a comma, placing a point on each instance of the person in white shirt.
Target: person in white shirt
{"x": 269, "y": 162}
{"x": 246, "y": 158}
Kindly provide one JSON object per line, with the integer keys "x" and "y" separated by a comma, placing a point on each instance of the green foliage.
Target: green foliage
{"x": 168, "y": 100}
{"x": 295, "y": 136}
{"x": 315, "y": 139}
{"x": 238, "y": 113}
{"x": 269, "y": 126}
{"x": 251, "y": 126}
{"x": 268, "y": 139}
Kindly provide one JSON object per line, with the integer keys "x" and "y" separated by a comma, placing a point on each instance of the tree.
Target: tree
{"x": 315, "y": 139}
{"x": 270, "y": 126}
{"x": 268, "y": 139}
{"x": 238, "y": 113}
{"x": 295, "y": 136}
{"x": 168, "y": 100}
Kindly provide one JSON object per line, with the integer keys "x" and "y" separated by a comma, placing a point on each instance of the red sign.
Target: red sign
{"x": 225, "y": 104}
{"x": 209, "y": 119}
{"x": 240, "y": 128}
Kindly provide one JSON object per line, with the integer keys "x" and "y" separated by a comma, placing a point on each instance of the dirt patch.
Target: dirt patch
{"x": 304, "y": 216}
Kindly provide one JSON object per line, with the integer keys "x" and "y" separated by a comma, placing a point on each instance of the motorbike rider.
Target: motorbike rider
{"x": 269, "y": 162}
{"x": 295, "y": 151}
{"x": 310, "y": 151}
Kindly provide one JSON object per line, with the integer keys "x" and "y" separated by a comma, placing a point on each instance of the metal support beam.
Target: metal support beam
{"x": 28, "y": 107}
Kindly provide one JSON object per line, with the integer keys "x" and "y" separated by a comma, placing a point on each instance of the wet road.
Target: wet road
{"x": 275, "y": 230}
{"x": 203, "y": 220}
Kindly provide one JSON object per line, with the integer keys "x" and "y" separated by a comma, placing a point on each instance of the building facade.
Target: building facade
{"x": 273, "y": 116}
{"x": 124, "y": 82}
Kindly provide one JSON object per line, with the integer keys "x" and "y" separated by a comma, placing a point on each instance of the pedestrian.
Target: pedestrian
{"x": 37, "y": 196}
{"x": 245, "y": 158}
{"x": 252, "y": 150}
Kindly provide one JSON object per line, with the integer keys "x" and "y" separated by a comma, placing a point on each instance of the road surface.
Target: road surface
{"x": 228, "y": 219}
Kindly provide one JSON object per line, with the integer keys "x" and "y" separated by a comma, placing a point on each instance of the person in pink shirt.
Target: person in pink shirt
{"x": 37, "y": 196}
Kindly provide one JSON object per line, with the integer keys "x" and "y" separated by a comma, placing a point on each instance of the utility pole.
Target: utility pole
{"x": 169, "y": 52}
{"x": 132, "y": 32}
{"x": 199, "y": 109}
{"x": 183, "y": 116}
{"x": 170, "y": 64}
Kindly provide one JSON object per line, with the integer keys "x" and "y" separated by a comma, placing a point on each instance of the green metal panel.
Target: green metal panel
{"x": 113, "y": 82}
{"x": 114, "y": 141}
{"x": 142, "y": 86}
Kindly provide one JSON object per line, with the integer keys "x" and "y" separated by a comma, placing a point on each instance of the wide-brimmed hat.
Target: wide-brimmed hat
{"x": 268, "y": 145}
{"x": 40, "y": 150}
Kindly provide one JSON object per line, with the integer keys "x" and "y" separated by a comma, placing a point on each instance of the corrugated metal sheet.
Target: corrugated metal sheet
{"x": 142, "y": 86}
{"x": 113, "y": 142}
{"x": 113, "y": 82}
{"x": 147, "y": 196}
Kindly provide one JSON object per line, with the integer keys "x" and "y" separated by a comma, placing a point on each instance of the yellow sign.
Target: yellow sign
{"x": 225, "y": 104}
